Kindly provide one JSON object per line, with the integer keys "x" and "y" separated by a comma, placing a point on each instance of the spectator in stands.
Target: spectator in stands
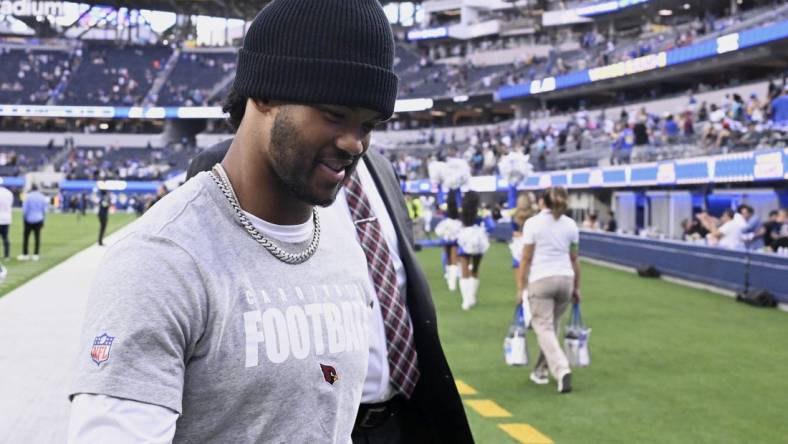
{"x": 687, "y": 125}
{"x": 703, "y": 112}
{"x": 771, "y": 229}
{"x": 34, "y": 211}
{"x": 550, "y": 271}
{"x": 752, "y": 221}
{"x": 727, "y": 232}
{"x": 780, "y": 232}
{"x": 6, "y": 203}
{"x": 694, "y": 229}
{"x": 779, "y": 110}
{"x": 591, "y": 222}
{"x": 737, "y": 111}
{"x": 755, "y": 109}
{"x": 611, "y": 226}
{"x": 670, "y": 130}
{"x": 622, "y": 146}
{"x": 641, "y": 130}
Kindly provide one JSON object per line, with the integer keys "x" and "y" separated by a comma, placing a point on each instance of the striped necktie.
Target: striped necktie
{"x": 402, "y": 359}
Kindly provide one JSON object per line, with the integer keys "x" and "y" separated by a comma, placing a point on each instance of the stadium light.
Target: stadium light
{"x": 665, "y": 12}
{"x": 460, "y": 99}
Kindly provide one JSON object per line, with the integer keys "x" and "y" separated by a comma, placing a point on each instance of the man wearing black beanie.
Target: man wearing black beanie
{"x": 346, "y": 60}
{"x": 203, "y": 335}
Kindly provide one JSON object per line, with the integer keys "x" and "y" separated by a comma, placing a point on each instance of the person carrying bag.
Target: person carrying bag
{"x": 550, "y": 272}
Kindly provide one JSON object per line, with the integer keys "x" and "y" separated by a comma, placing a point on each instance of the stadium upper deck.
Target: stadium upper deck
{"x": 462, "y": 77}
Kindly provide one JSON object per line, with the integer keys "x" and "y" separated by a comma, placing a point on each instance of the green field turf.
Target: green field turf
{"x": 670, "y": 364}
{"x": 63, "y": 236}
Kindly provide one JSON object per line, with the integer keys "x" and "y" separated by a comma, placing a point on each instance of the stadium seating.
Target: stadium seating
{"x": 107, "y": 74}
{"x": 18, "y": 160}
{"x": 194, "y": 77}
{"x": 30, "y": 76}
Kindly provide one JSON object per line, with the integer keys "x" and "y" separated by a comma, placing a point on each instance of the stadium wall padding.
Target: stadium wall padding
{"x": 708, "y": 265}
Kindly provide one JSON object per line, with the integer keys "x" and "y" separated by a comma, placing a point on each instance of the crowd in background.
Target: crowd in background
{"x": 735, "y": 123}
{"x": 740, "y": 229}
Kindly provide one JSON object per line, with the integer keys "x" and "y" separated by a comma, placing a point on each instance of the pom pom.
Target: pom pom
{"x": 473, "y": 240}
{"x": 515, "y": 167}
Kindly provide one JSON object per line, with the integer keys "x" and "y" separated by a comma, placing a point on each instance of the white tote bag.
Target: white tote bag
{"x": 576, "y": 340}
{"x": 515, "y": 347}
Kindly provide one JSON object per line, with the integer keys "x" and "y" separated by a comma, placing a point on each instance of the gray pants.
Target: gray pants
{"x": 549, "y": 298}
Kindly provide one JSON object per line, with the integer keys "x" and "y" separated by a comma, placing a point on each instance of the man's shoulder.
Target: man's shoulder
{"x": 180, "y": 215}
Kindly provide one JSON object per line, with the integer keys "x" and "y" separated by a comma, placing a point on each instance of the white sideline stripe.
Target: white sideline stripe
{"x": 607, "y": 264}
{"x": 41, "y": 325}
{"x": 675, "y": 280}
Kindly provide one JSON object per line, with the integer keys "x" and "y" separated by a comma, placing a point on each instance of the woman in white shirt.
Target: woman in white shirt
{"x": 550, "y": 272}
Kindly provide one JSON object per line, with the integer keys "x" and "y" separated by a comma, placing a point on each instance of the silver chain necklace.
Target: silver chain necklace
{"x": 220, "y": 177}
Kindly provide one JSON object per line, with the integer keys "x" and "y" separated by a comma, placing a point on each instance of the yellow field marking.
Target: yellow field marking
{"x": 488, "y": 408}
{"x": 464, "y": 388}
{"x": 525, "y": 434}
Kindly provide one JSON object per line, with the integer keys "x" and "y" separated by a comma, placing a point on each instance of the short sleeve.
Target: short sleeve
{"x": 528, "y": 232}
{"x": 145, "y": 313}
{"x": 575, "y": 233}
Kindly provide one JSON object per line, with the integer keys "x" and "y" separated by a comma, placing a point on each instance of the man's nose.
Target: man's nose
{"x": 351, "y": 143}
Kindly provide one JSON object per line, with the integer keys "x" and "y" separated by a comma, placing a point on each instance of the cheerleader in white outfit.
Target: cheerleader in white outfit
{"x": 473, "y": 243}
{"x": 448, "y": 229}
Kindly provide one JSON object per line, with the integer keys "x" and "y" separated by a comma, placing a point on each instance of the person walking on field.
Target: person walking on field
{"x": 34, "y": 209}
{"x": 6, "y": 203}
{"x": 103, "y": 215}
{"x": 550, "y": 272}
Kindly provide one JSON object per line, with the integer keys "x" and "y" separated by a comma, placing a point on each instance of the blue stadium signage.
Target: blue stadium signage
{"x": 724, "y": 44}
{"x": 727, "y": 168}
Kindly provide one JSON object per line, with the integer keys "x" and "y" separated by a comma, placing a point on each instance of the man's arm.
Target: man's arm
{"x": 524, "y": 270}
{"x": 574, "y": 258}
{"x": 144, "y": 316}
{"x": 100, "y": 418}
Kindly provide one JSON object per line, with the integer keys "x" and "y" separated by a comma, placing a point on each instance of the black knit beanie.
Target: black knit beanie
{"x": 337, "y": 52}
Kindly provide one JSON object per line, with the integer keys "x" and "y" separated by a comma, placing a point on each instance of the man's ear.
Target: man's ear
{"x": 263, "y": 106}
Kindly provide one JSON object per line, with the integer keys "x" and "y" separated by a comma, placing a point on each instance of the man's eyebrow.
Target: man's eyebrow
{"x": 378, "y": 118}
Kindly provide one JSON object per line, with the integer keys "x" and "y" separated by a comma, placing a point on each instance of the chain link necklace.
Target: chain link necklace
{"x": 219, "y": 176}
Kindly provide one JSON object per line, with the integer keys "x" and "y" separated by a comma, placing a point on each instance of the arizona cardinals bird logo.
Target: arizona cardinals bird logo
{"x": 329, "y": 374}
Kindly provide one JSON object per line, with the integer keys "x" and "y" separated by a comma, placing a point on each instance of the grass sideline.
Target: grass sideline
{"x": 63, "y": 236}
{"x": 670, "y": 364}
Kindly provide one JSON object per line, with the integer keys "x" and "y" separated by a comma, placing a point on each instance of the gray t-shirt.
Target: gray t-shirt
{"x": 189, "y": 312}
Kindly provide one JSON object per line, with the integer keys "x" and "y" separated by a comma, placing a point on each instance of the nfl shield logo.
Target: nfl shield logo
{"x": 100, "y": 350}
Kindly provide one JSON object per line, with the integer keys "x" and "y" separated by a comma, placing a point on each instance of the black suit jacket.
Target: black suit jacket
{"x": 435, "y": 398}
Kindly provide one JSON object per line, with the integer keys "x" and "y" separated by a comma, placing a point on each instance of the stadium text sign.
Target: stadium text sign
{"x": 32, "y": 8}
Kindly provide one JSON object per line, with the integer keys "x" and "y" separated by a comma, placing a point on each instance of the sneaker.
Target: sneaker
{"x": 565, "y": 383}
{"x": 539, "y": 379}
{"x": 23, "y": 257}
{"x": 35, "y": 257}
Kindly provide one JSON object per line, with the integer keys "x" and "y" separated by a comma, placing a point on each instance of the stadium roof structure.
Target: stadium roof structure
{"x": 239, "y": 9}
